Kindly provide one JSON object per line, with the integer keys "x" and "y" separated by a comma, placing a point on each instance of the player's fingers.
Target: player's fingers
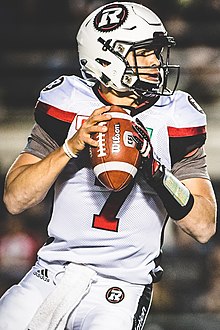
{"x": 96, "y": 123}
{"x": 139, "y": 130}
{"x": 100, "y": 128}
{"x": 138, "y": 142}
{"x": 101, "y": 110}
{"x": 89, "y": 130}
{"x": 86, "y": 133}
{"x": 90, "y": 141}
{"x": 99, "y": 115}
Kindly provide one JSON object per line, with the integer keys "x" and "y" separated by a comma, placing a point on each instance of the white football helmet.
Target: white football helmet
{"x": 109, "y": 33}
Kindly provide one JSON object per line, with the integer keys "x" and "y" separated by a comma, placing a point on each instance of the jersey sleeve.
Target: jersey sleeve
{"x": 192, "y": 167}
{"x": 187, "y": 130}
{"x": 40, "y": 144}
{"x": 53, "y": 111}
{"x": 54, "y": 121}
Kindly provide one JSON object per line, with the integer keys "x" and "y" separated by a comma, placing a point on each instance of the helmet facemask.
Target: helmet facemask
{"x": 133, "y": 79}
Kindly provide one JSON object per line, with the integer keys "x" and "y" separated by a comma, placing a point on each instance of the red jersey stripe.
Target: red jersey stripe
{"x": 186, "y": 131}
{"x": 59, "y": 114}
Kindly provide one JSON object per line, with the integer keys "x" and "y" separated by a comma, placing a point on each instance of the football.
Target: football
{"x": 116, "y": 160}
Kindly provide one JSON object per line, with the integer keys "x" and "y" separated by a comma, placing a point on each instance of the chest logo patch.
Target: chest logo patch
{"x": 114, "y": 295}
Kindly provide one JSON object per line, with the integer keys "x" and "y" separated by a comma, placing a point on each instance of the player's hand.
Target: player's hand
{"x": 90, "y": 126}
{"x": 143, "y": 144}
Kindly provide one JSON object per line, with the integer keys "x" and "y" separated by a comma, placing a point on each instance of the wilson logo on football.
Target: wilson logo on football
{"x": 110, "y": 17}
{"x": 116, "y": 139}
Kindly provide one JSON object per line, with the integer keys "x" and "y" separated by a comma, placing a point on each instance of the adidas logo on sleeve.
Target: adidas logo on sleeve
{"x": 42, "y": 274}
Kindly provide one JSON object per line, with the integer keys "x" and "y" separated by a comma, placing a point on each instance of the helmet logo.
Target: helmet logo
{"x": 110, "y": 18}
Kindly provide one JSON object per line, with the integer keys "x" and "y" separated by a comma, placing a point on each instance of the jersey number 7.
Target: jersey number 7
{"x": 107, "y": 218}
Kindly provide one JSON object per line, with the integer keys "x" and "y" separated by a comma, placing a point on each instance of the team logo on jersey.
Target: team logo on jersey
{"x": 54, "y": 84}
{"x": 114, "y": 295}
{"x": 110, "y": 18}
{"x": 195, "y": 104}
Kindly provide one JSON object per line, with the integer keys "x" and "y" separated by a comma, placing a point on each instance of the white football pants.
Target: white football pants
{"x": 108, "y": 303}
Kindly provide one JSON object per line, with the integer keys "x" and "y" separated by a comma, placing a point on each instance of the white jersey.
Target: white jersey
{"x": 118, "y": 234}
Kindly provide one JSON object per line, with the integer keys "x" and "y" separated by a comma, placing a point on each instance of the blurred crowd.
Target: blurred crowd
{"x": 69, "y": 9}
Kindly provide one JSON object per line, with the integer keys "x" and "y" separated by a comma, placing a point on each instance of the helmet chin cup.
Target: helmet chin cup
{"x": 108, "y": 34}
{"x": 145, "y": 87}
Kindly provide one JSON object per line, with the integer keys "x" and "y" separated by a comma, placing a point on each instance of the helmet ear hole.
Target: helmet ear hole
{"x": 103, "y": 62}
{"x": 83, "y": 62}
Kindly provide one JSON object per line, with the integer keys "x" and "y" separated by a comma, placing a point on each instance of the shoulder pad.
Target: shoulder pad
{"x": 186, "y": 126}
{"x": 186, "y": 111}
{"x": 58, "y": 93}
{"x": 63, "y": 92}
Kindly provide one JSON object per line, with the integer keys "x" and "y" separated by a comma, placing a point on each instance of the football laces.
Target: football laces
{"x": 101, "y": 143}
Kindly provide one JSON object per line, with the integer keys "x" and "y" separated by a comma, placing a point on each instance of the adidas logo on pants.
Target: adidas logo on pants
{"x": 42, "y": 274}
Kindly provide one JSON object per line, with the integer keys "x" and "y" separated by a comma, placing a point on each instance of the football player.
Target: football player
{"x": 90, "y": 275}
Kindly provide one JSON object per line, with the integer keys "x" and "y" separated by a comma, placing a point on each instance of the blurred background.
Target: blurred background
{"x": 38, "y": 45}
